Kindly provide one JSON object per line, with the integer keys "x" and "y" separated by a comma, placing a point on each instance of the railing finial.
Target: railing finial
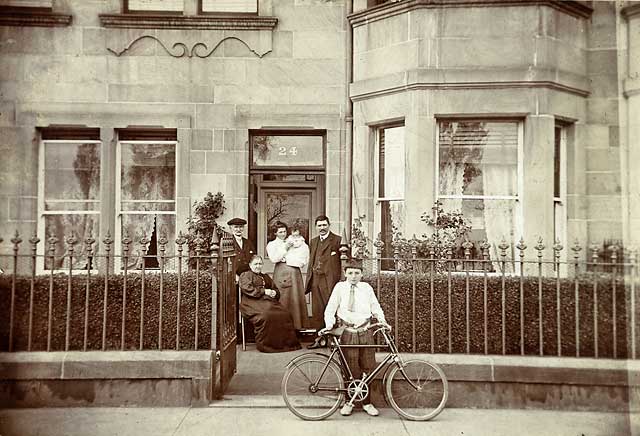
{"x": 503, "y": 246}
{"x": 16, "y": 240}
{"x": 540, "y": 247}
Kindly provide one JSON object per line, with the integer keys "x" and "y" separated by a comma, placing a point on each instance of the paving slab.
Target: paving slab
{"x": 247, "y": 421}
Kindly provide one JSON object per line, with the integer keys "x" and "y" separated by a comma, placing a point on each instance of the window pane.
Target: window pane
{"x": 153, "y": 227}
{"x": 156, "y": 5}
{"x": 71, "y": 171}
{"x": 81, "y": 226}
{"x": 148, "y": 171}
{"x": 557, "y": 141}
{"x": 490, "y": 220}
{"x": 291, "y": 209}
{"x": 392, "y": 218}
{"x": 478, "y": 158}
{"x": 239, "y": 6}
{"x": 286, "y": 150}
{"x": 391, "y": 171}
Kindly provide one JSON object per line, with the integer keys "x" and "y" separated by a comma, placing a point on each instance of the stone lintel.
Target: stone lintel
{"x": 632, "y": 10}
{"x": 201, "y": 22}
{"x": 33, "y": 18}
{"x": 577, "y": 9}
{"x": 631, "y": 86}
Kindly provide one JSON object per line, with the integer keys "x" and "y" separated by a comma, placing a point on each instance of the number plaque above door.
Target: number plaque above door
{"x": 284, "y": 150}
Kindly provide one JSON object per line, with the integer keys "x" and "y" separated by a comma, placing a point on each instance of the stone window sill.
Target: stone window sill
{"x": 200, "y": 22}
{"x": 33, "y": 18}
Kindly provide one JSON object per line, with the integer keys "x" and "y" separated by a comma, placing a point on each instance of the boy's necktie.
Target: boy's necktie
{"x": 352, "y": 299}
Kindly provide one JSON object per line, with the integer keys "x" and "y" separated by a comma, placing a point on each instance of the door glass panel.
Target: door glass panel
{"x": 290, "y": 208}
{"x": 287, "y": 151}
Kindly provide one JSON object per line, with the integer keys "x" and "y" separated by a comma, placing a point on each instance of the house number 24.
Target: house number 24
{"x": 283, "y": 151}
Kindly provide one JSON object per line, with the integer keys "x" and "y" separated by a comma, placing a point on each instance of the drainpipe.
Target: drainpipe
{"x": 348, "y": 122}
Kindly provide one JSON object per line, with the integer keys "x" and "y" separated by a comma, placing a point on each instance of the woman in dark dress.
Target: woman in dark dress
{"x": 272, "y": 322}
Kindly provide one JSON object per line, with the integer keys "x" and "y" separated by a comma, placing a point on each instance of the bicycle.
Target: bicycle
{"x": 315, "y": 384}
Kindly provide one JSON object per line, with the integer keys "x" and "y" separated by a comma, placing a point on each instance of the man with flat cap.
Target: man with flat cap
{"x": 243, "y": 247}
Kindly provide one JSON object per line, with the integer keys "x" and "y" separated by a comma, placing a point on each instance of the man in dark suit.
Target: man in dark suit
{"x": 324, "y": 270}
{"x": 243, "y": 247}
{"x": 244, "y": 250}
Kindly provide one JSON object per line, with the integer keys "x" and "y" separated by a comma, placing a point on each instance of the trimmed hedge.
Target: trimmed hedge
{"x": 458, "y": 286}
{"x": 530, "y": 286}
{"x": 114, "y": 312}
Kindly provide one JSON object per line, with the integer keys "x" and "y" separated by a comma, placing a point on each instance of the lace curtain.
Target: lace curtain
{"x": 479, "y": 159}
{"x": 148, "y": 185}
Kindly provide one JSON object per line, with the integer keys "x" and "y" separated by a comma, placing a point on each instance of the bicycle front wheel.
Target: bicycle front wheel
{"x": 418, "y": 391}
{"x": 308, "y": 395}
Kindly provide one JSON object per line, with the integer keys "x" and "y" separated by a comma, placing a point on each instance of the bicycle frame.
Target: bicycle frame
{"x": 337, "y": 348}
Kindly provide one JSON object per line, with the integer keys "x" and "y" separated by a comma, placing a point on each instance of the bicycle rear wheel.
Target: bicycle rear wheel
{"x": 309, "y": 402}
{"x": 425, "y": 401}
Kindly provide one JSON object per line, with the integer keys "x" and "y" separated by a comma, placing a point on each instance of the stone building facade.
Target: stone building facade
{"x": 116, "y": 115}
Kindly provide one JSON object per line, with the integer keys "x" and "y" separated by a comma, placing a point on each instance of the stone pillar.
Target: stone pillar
{"x": 631, "y": 152}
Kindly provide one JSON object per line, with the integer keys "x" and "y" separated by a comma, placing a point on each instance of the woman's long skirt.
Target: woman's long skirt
{"x": 288, "y": 279}
{"x": 272, "y": 325}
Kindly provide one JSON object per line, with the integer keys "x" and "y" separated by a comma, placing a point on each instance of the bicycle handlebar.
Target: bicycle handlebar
{"x": 377, "y": 325}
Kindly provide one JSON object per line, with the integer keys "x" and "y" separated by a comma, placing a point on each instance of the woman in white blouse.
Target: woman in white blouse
{"x": 290, "y": 255}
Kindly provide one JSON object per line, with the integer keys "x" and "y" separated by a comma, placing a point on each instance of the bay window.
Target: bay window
{"x": 479, "y": 173}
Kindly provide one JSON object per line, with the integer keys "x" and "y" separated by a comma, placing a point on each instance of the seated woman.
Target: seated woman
{"x": 272, "y": 322}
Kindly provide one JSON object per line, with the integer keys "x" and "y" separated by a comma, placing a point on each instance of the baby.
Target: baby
{"x": 298, "y": 252}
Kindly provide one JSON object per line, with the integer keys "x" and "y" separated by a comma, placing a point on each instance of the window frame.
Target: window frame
{"x": 517, "y": 198}
{"x": 127, "y": 10}
{"x": 223, "y": 14}
{"x": 379, "y": 201}
{"x": 117, "y": 248}
{"x": 560, "y": 214}
{"x": 42, "y": 248}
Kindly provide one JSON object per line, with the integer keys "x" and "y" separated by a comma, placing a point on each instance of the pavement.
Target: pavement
{"x": 231, "y": 420}
{"x": 252, "y": 405}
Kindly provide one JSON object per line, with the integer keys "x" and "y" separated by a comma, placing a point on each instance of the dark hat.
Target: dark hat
{"x": 353, "y": 263}
{"x": 236, "y": 222}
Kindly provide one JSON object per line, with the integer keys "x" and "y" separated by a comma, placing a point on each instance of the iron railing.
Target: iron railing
{"x": 101, "y": 307}
{"x": 536, "y": 303}
{"x": 541, "y": 305}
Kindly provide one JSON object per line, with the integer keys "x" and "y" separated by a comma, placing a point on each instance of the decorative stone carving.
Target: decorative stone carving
{"x": 198, "y": 49}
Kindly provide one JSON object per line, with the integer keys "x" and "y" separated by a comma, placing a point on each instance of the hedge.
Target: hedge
{"x": 387, "y": 299}
{"x": 114, "y": 311}
{"x": 458, "y": 284}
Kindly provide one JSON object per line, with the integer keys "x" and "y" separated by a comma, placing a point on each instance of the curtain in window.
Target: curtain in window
{"x": 71, "y": 199}
{"x": 148, "y": 186}
{"x": 478, "y": 165}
